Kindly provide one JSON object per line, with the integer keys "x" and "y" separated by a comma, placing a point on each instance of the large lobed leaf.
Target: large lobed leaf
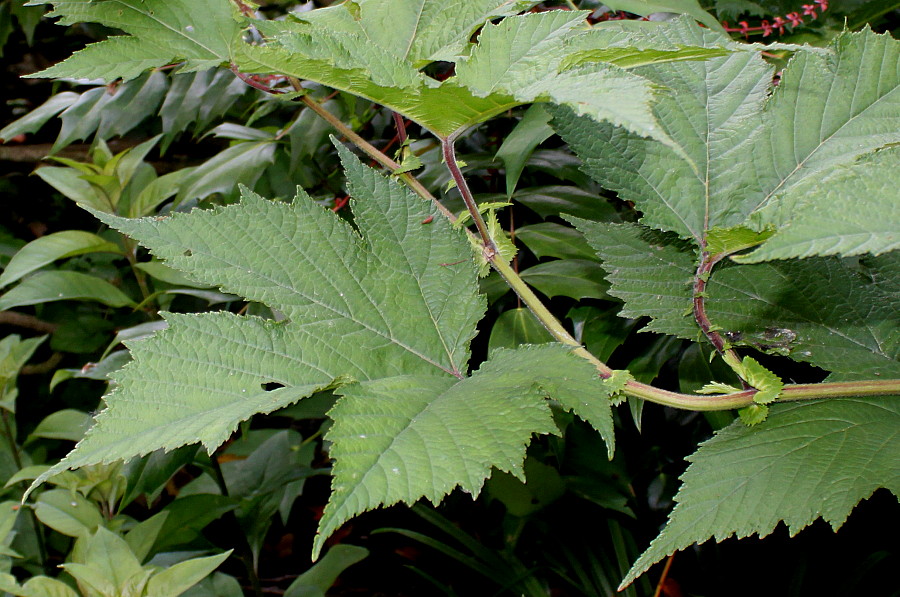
{"x": 383, "y": 312}
{"x": 756, "y": 160}
{"x": 804, "y": 462}
{"x": 814, "y": 162}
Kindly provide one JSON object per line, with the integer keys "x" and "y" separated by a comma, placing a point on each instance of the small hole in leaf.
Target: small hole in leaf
{"x": 272, "y": 386}
{"x": 188, "y": 253}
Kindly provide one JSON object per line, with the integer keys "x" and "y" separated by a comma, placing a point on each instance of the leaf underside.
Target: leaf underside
{"x": 724, "y": 110}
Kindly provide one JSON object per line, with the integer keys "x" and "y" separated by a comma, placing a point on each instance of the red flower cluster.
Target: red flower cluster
{"x": 778, "y": 23}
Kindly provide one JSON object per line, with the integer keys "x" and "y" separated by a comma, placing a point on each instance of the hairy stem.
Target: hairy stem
{"x": 704, "y": 270}
{"x": 490, "y": 249}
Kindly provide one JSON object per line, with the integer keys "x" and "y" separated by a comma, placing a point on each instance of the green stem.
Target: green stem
{"x": 370, "y": 150}
{"x": 559, "y": 332}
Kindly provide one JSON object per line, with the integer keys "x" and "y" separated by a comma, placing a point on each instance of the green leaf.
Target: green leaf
{"x": 37, "y": 586}
{"x": 556, "y": 200}
{"x": 849, "y": 103}
{"x": 198, "y": 99}
{"x": 241, "y": 164}
{"x": 68, "y": 512}
{"x": 721, "y": 108}
{"x": 600, "y": 331}
{"x": 325, "y": 572}
{"x": 418, "y": 31}
{"x": 549, "y": 239}
{"x": 47, "y": 249}
{"x": 46, "y": 287}
{"x": 753, "y": 414}
{"x": 160, "y": 32}
{"x": 68, "y": 424}
{"x": 850, "y": 211}
{"x": 187, "y": 516}
{"x": 727, "y": 241}
{"x": 104, "y": 562}
{"x": 149, "y": 475}
{"x": 825, "y": 311}
{"x": 70, "y": 183}
{"x": 14, "y": 353}
{"x": 475, "y": 423}
{"x": 35, "y": 119}
{"x": 177, "y": 579}
{"x": 142, "y": 536}
{"x": 575, "y": 278}
{"x": 647, "y": 271}
{"x": 515, "y": 327}
{"x": 745, "y": 480}
{"x": 531, "y": 131}
{"x": 522, "y": 57}
{"x": 768, "y": 384}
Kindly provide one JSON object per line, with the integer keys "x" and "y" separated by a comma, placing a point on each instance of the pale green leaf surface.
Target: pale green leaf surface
{"x": 708, "y": 112}
{"x": 851, "y": 210}
{"x": 417, "y": 31}
{"x": 516, "y": 62}
{"x": 809, "y": 460}
{"x": 68, "y": 513}
{"x": 442, "y": 110}
{"x": 105, "y": 560}
{"x": 518, "y": 50}
{"x": 200, "y": 32}
{"x": 848, "y": 104}
{"x": 68, "y": 181}
{"x": 411, "y": 436}
{"x": 37, "y": 586}
{"x": 522, "y": 57}
{"x": 717, "y": 112}
{"x": 49, "y": 248}
{"x": 45, "y": 287}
